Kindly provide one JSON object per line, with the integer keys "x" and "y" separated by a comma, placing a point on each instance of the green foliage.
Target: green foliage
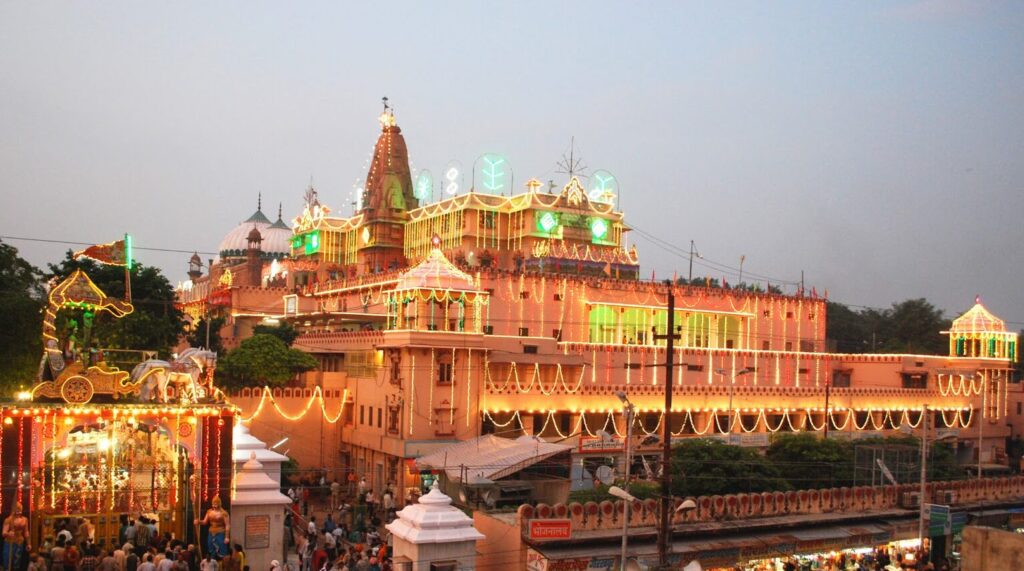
{"x": 262, "y": 360}
{"x": 641, "y": 490}
{"x": 911, "y": 326}
{"x": 21, "y": 303}
{"x": 742, "y": 286}
{"x": 283, "y": 331}
{"x": 703, "y": 466}
{"x": 706, "y": 466}
{"x": 156, "y": 324}
{"x": 197, "y": 337}
{"x": 806, "y": 461}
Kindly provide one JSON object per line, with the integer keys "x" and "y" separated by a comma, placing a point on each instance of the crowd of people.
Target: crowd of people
{"x": 351, "y": 536}
{"x": 141, "y": 547}
{"x": 879, "y": 559}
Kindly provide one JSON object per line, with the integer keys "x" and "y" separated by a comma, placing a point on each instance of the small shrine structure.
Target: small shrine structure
{"x": 246, "y": 445}
{"x": 434, "y": 534}
{"x": 257, "y": 519}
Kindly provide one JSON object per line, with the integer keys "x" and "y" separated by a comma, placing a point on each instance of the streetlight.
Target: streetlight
{"x": 627, "y": 410}
{"x": 924, "y": 471}
{"x": 732, "y": 385}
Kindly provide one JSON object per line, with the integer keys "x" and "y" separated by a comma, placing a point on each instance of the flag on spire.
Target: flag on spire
{"x": 117, "y": 253}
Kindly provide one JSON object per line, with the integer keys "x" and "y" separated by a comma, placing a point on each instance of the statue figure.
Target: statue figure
{"x": 16, "y": 545}
{"x": 217, "y": 534}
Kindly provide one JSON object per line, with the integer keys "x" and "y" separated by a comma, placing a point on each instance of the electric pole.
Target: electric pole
{"x": 666, "y": 458}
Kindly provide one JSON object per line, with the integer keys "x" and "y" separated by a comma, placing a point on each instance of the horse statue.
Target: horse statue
{"x": 190, "y": 375}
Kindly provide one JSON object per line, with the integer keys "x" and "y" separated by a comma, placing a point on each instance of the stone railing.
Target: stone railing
{"x": 857, "y": 500}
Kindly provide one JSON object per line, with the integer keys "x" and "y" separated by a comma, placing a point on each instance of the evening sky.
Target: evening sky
{"x": 877, "y": 146}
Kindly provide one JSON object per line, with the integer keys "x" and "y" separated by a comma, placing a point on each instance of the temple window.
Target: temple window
{"x": 443, "y": 425}
{"x": 915, "y": 380}
{"x": 444, "y": 372}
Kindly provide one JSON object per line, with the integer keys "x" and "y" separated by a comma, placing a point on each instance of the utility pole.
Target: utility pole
{"x": 666, "y": 457}
{"x": 924, "y": 473}
{"x": 692, "y": 252}
{"x": 828, "y": 385}
{"x": 981, "y": 419}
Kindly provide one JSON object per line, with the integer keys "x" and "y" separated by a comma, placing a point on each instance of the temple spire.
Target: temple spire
{"x": 259, "y": 202}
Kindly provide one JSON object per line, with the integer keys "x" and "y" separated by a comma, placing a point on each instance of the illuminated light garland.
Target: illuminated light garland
{"x": 412, "y": 387}
{"x": 53, "y": 464}
{"x": 966, "y": 386}
{"x": 757, "y": 418}
{"x": 960, "y": 418}
{"x": 469, "y": 383}
{"x": 217, "y": 424}
{"x": 177, "y": 457}
{"x": 789, "y": 421}
{"x": 718, "y": 423}
{"x": 714, "y": 420}
{"x": 267, "y": 395}
{"x": 451, "y": 399}
{"x": 21, "y": 460}
{"x": 810, "y": 421}
{"x": 206, "y": 459}
{"x": 956, "y": 417}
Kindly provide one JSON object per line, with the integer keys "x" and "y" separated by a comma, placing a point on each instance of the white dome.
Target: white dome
{"x": 276, "y": 238}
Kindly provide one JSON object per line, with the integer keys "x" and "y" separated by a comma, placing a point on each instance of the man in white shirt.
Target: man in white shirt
{"x": 311, "y": 529}
{"x": 147, "y": 565}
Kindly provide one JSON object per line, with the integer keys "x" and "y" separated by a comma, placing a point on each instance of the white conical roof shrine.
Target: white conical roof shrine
{"x": 244, "y": 442}
{"x": 254, "y": 487}
{"x": 434, "y": 520}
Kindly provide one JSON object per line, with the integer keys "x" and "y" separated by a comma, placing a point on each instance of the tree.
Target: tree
{"x": 911, "y": 326}
{"x": 283, "y": 331}
{"x": 706, "y": 466}
{"x": 915, "y": 326}
{"x": 156, "y": 323}
{"x": 197, "y": 337}
{"x": 21, "y": 303}
{"x": 844, "y": 328}
{"x": 806, "y": 461}
{"x": 262, "y": 360}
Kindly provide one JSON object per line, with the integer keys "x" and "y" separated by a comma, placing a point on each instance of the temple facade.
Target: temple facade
{"x": 524, "y": 313}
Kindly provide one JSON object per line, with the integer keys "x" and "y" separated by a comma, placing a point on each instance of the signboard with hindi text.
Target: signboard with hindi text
{"x": 257, "y": 531}
{"x": 550, "y": 529}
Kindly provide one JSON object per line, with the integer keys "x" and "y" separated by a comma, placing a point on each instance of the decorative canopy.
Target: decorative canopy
{"x": 436, "y": 272}
{"x": 977, "y": 320}
{"x": 492, "y": 457}
{"x": 434, "y": 520}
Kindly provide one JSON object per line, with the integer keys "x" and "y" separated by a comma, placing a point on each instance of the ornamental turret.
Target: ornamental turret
{"x": 979, "y": 333}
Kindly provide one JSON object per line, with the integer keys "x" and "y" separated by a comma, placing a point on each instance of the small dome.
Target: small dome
{"x": 275, "y": 244}
{"x": 254, "y": 235}
{"x": 977, "y": 320}
{"x": 436, "y": 272}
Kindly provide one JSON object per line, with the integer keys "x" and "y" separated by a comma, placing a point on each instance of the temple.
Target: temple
{"x": 505, "y": 312}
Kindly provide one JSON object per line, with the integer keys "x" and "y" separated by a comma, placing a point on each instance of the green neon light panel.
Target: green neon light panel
{"x": 599, "y": 228}
{"x": 547, "y": 221}
{"x": 493, "y": 173}
{"x": 424, "y": 188}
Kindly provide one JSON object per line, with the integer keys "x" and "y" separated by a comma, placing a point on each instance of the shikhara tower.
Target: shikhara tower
{"x": 386, "y": 201}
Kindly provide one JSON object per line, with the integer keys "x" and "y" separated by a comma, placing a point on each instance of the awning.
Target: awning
{"x": 489, "y": 456}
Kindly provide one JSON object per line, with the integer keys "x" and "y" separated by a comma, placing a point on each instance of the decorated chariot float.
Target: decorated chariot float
{"x": 92, "y": 440}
